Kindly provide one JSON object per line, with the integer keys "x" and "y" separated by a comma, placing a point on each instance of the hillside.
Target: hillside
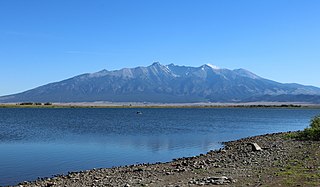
{"x": 168, "y": 84}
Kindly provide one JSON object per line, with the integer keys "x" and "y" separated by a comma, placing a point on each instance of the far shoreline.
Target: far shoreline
{"x": 161, "y": 105}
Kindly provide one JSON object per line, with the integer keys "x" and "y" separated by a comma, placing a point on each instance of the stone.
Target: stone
{"x": 255, "y": 147}
{"x": 223, "y": 151}
{"x": 218, "y": 182}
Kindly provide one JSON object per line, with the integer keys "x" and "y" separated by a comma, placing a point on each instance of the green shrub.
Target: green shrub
{"x": 312, "y": 132}
{"x": 315, "y": 122}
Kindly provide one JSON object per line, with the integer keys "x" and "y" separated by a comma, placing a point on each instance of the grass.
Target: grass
{"x": 305, "y": 171}
{"x": 295, "y": 173}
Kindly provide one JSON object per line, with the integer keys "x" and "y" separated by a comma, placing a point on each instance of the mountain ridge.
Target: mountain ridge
{"x": 167, "y": 83}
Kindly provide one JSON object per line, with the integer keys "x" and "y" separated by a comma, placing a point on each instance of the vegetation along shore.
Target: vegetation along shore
{"x": 280, "y": 159}
{"x": 159, "y": 105}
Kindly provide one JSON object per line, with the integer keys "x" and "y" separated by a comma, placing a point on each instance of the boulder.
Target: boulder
{"x": 255, "y": 147}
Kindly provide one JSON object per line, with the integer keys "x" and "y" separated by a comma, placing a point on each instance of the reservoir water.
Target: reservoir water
{"x": 44, "y": 142}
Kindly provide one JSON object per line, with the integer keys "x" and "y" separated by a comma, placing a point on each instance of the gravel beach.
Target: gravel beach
{"x": 266, "y": 160}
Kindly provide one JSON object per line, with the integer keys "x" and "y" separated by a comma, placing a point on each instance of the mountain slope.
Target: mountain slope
{"x": 164, "y": 83}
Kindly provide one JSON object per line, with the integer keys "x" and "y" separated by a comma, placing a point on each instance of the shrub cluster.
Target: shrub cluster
{"x": 312, "y": 132}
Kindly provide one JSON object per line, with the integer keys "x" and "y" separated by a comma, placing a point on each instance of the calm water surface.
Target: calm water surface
{"x": 43, "y": 142}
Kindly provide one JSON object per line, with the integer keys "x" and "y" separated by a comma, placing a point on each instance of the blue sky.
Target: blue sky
{"x": 47, "y": 41}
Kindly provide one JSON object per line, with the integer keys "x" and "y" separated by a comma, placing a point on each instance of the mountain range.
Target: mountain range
{"x": 168, "y": 84}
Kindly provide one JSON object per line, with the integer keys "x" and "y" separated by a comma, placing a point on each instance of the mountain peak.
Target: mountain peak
{"x": 99, "y": 73}
{"x": 212, "y": 66}
{"x": 163, "y": 83}
{"x": 156, "y": 64}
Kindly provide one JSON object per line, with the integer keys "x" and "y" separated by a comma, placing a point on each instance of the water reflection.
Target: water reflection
{"x": 43, "y": 142}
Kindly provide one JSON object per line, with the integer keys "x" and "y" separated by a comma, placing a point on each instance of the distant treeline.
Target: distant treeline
{"x": 252, "y": 106}
{"x": 267, "y": 106}
{"x": 36, "y": 104}
{"x": 30, "y": 103}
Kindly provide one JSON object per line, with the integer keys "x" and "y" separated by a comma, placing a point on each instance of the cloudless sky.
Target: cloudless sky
{"x": 48, "y": 41}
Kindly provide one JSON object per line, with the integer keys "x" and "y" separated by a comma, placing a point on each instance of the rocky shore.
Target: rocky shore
{"x": 267, "y": 160}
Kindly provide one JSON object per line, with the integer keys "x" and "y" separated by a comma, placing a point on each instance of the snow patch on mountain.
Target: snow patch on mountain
{"x": 213, "y": 66}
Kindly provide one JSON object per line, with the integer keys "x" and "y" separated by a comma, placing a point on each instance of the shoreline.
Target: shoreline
{"x": 281, "y": 161}
{"x": 161, "y": 105}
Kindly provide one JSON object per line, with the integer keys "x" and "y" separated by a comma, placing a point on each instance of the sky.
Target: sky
{"x": 48, "y": 41}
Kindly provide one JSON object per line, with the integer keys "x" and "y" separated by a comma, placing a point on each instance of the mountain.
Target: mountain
{"x": 168, "y": 83}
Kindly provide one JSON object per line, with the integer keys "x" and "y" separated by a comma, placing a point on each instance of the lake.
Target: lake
{"x": 45, "y": 141}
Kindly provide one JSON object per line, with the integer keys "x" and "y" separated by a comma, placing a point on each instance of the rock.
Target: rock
{"x": 223, "y": 151}
{"x": 50, "y": 184}
{"x": 220, "y": 178}
{"x": 255, "y": 147}
{"x": 218, "y": 182}
{"x": 184, "y": 163}
{"x": 138, "y": 170}
{"x": 212, "y": 180}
